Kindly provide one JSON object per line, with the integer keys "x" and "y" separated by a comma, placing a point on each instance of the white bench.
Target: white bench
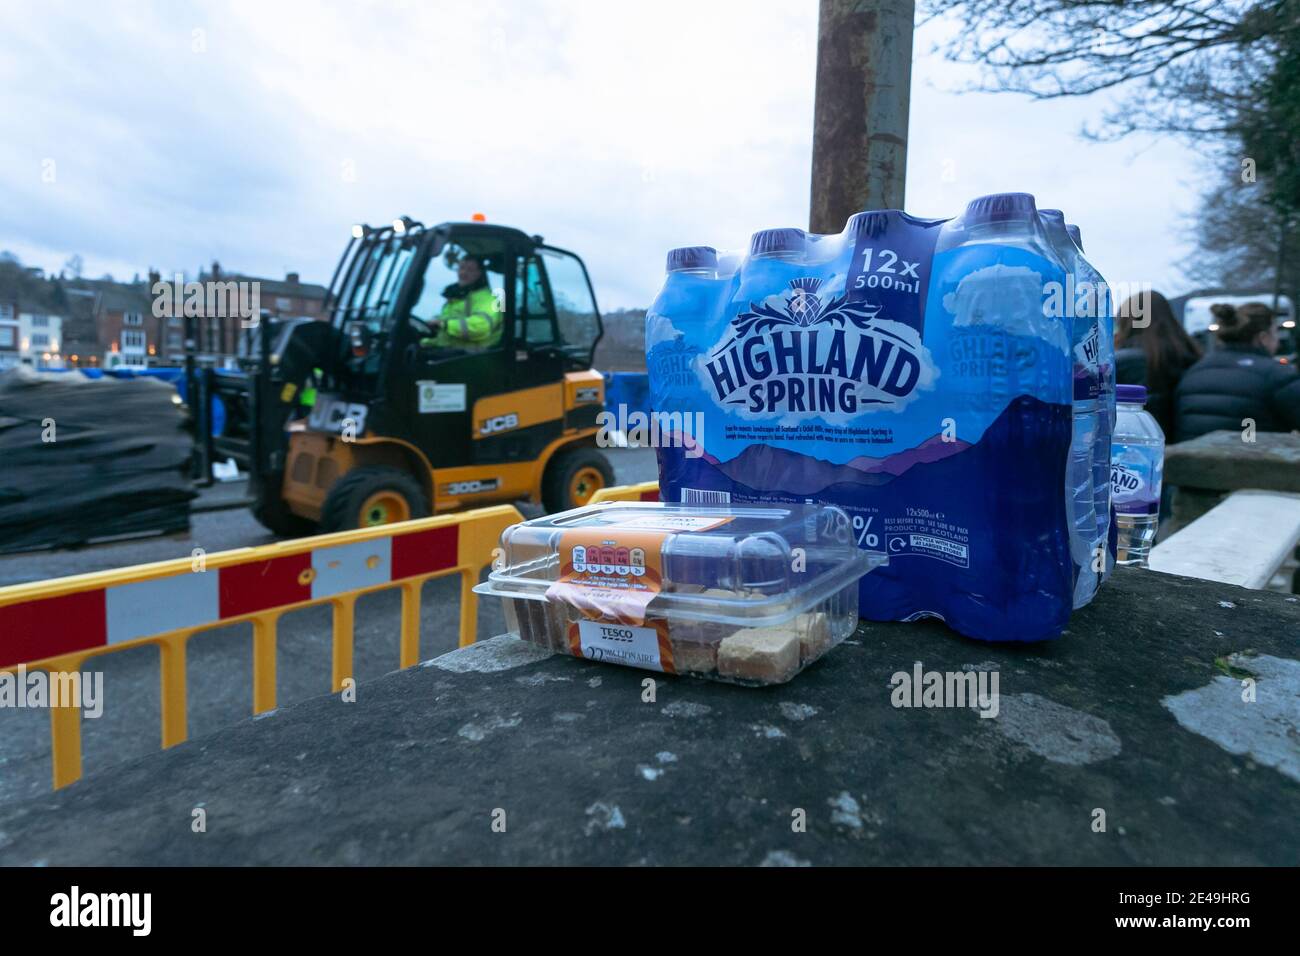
{"x": 1242, "y": 540}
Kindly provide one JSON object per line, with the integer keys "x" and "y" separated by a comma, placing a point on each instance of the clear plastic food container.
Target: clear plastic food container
{"x": 750, "y": 594}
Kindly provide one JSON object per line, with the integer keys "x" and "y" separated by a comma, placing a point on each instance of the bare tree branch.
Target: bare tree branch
{"x": 1184, "y": 63}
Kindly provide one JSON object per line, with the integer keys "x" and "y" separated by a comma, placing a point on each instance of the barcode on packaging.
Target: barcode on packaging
{"x": 702, "y": 496}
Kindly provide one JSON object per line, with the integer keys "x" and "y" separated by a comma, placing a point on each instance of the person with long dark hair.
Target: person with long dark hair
{"x": 1152, "y": 349}
{"x": 1240, "y": 380}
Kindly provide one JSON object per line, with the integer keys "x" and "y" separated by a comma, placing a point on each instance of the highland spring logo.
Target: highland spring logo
{"x": 795, "y": 353}
{"x": 673, "y": 362}
{"x": 1124, "y": 481}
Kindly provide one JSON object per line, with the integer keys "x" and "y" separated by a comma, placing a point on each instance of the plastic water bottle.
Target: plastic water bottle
{"x": 694, "y": 260}
{"x": 692, "y": 274}
{"x": 1136, "y": 471}
{"x": 786, "y": 245}
{"x": 1080, "y": 318}
{"x": 1106, "y": 370}
{"x": 776, "y": 258}
{"x": 1003, "y": 264}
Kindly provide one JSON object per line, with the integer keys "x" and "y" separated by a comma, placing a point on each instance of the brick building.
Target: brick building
{"x": 81, "y": 348}
{"x": 217, "y": 337}
{"x": 88, "y": 323}
{"x": 128, "y": 332}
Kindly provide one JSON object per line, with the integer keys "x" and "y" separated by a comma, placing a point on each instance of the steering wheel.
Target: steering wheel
{"x": 425, "y": 328}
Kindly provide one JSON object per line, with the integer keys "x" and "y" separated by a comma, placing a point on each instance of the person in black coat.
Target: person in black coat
{"x": 1152, "y": 349}
{"x": 1240, "y": 380}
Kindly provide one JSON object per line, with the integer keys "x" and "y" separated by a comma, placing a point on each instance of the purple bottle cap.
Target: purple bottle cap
{"x": 692, "y": 257}
{"x": 873, "y": 222}
{"x": 1001, "y": 207}
{"x": 769, "y": 241}
{"x": 1131, "y": 394}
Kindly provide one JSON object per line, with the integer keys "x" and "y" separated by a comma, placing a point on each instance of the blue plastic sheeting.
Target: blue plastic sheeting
{"x": 631, "y": 389}
{"x": 174, "y": 376}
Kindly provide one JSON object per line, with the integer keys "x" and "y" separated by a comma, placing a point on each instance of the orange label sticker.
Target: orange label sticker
{"x": 610, "y": 576}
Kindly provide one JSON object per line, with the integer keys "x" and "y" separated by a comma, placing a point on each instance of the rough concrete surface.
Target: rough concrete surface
{"x": 1224, "y": 461}
{"x": 581, "y": 768}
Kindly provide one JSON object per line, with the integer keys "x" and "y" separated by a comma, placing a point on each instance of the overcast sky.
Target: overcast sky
{"x": 170, "y": 134}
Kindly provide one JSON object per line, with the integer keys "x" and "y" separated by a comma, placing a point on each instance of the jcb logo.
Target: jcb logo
{"x": 334, "y": 415}
{"x": 502, "y": 423}
{"x": 471, "y": 487}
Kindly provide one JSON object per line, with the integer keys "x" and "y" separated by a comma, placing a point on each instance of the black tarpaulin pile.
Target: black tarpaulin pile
{"x": 83, "y": 459}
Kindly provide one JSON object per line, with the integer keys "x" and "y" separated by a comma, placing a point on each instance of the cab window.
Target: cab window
{"x": 577, "y": 322}
{"x": 441, "y": 276}
{"x": 462, "y": 286}
{"x": 533, "y": 323}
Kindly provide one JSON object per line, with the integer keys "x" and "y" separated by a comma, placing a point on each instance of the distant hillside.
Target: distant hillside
{"x": 28, "y": 288}
{"x": 622, "y": 348}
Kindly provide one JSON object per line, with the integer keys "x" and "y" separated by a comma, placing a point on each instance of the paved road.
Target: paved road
{"x": 220, "y": 661}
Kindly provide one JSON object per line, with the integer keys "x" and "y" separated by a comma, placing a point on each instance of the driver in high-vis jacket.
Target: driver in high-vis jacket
{"x": 471, "y": 317}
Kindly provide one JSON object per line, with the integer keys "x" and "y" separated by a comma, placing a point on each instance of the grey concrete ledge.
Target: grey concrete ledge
{"x": 581, "y": 769}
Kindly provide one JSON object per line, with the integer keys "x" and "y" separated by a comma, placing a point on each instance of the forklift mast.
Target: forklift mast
{"x": 271, "y": 365}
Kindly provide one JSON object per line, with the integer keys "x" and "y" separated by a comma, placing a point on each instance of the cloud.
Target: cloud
{"x": 256, "y": 133}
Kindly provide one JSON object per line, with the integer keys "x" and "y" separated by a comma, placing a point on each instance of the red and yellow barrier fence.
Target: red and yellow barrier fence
{"x": 645, "y": 491}
{"x": 59, "y": 624}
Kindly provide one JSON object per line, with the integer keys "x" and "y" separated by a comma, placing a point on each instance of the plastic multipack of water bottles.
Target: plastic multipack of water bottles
{"x": 948, "y": 383}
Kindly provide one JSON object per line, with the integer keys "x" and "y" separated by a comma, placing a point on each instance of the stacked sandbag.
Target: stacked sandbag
{"x": 83, "y": 459}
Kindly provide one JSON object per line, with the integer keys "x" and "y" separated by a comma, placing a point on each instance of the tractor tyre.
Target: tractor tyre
{"x": 370, "y": 496}
{"x": 573, "y": 476}
{"x": 273, "y": 514}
